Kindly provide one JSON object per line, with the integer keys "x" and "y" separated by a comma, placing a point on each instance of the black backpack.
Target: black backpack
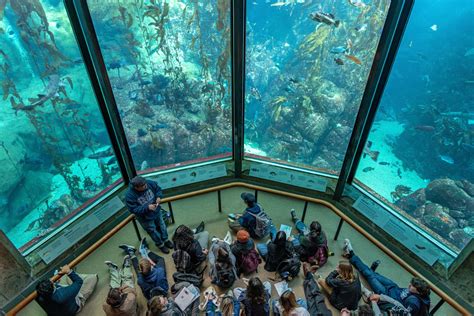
{"x": 225, "y": 278}
{"x": 182, "y": 261}
{"x": 289, "y": 268}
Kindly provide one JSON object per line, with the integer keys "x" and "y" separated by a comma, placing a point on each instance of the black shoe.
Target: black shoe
{"x": 293, "y": 215}
{"x": 169, "y": 244}
{"x": 164, "y": 250}
{"x": 128, "y": 249}
{"x": 374, "y": 265}
{"x": 200, "y": 228}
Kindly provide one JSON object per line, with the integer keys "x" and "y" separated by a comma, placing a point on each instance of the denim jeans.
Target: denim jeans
{"x": 378, "y": 283}
{"x": 155, "y": 228}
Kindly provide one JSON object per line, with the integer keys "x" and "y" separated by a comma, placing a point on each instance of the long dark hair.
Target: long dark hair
{"x": 223, "y": 260}
{"x": 183, "y": 237}
{"x": 256, "y": 291}
{"x": 280, "y": 239}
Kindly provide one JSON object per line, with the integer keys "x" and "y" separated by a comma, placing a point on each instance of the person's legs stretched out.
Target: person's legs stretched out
{"x": 314, "y": 297}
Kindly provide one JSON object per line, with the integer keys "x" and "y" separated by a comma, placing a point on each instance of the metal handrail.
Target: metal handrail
{"x": 443, "y": 295}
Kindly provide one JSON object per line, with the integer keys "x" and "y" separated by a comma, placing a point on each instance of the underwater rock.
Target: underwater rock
{"x": 438, "y": 220}
{"x": 447, "y": 193}
{"x": 468, "y": 187}
{"x": 457, "y": 214}
{"x": 459, "y": 237}
{"x": 469, "y": 230}
{"x": 412, "y": 201}
{"x": 330, "y": 98}
{"x": 419, "y": 212}
{"x": 312, "y": 126}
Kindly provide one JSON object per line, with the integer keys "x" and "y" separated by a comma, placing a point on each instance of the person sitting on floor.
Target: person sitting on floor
{"x": 161, "y": 305}
{"x": 248, "y": 219}
{"x": 244, "y": 251}
{"x": 69, "y": 298}
{"x": 415, "y": 298}
{"x": 150, "y": 270}
{"x": 278, "y": 250}
{"x": 314, "y": 298}
{"x": 192, "y": 243}
{"x": 255, "y": 299}
{"x": 311, "y": 244}
{"x": 287, "y": 305}
{"x": 122, "y": 297}
{"x": 222, "y": 263}
{"x": 343, "y": 286}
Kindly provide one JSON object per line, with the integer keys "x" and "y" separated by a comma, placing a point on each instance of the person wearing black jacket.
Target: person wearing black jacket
{"x": 278, "y": 250}
{"x": 61, "y": 300}
{"x": 194, "y": 244}
{"x": 343, "y": 287}
{"x": 143, "y": 199}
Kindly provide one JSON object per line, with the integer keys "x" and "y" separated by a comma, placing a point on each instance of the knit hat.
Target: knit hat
{"x": 243, "y": 236}
{"x": 248, "y": 197}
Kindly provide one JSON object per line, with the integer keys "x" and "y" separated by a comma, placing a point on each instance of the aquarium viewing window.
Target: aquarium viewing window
{"x": 56, "y": 158}
{"x": 419, "y": 155}
{"x": 307, "y": 64}
{"x": 169, "y": 67}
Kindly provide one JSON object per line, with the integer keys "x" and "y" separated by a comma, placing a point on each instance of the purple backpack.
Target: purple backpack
{"x": 249, "y": 261}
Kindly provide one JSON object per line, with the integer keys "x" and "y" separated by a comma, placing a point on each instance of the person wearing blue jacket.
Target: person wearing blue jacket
{"x": 143, "y": 199}
{"x": 246, "y": 220}
{"x": 61, "y": 300}
{"x": 415, "y": 298}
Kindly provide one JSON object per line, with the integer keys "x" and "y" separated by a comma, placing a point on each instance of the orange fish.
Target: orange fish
{"x": 354, "y": 59}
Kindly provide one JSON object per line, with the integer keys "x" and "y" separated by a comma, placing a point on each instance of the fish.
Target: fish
{"x": 20, "y": 106}
{"x": 372, "y": 154}
{"x": 467, "y": 147}
{"x": 293, "y": 80}
{"x": 434, "y": 27}
{"x": 73, "y": 106}
{"x": 367, "y": 169}
{"x": 256, "y": 94}
{"x": 339, "y": 61}
{"x": 353, "y": 58}
{"x": 144, "y": 165}
{"x": 50, "y": 92}
{"x": 447, "y": 159}
{"x": 326, "y": 18}
{"x": 133, "y": 95}
{"x": 425, "y": 128}
{"x": 361, "y": 28}
{"x": 280, "y": 4}
{"x": 399, "y": 173}
{"x": 357, "y": 3}
{"x": 338, "y": 50}
{"x": 110, "y": 160}
{"x": 384, "y": 163}
{"x": 102, "y": 154}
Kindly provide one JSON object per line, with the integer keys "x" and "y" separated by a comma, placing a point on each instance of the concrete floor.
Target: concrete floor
{"x": 204, "y": 207}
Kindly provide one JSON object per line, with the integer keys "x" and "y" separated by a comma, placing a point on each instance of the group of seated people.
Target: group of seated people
{"x": 226, "y": 261}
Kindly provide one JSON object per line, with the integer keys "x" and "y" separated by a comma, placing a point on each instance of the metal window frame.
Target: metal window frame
{"x": 389, "y": 42}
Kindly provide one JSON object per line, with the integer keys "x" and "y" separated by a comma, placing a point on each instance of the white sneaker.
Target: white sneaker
{"x": 347, "y": 247}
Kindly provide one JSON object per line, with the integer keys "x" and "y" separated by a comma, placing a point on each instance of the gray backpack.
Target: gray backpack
{"x": 262, "y": 224}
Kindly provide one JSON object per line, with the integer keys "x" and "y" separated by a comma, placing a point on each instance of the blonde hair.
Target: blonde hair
{"x": 145, "y": 266}
{"x": 227, "y": 306}
{"x": 288, "y": 302}
{"x": 346, "y": 272}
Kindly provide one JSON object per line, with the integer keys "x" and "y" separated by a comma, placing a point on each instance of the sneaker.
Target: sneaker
{"x": 164, "y": 250}
{"x": 169, "y": 244}
{"x": 144, "y": 244}
{"x": 200, "y": 228}
{"x": 128, "y": 249}
{"x": 214, "y": 239}
{"x": 347, "y": 249}
{"x": 110, "y": 264}
{"x": 126, "y": 261}
{"x": 293, "y": 214}
{"x": 374, "y": 265}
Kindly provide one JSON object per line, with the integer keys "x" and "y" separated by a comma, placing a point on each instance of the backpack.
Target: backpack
{"x": 225, "y": 278}
{"x": 194, "y": 279}
{"x": 249, "y": 261}
{"x": 321, "y": 256}
{"x": 182, "y": 261}
{"x": 289, "y": 268}
{"x": 262, "y": 224}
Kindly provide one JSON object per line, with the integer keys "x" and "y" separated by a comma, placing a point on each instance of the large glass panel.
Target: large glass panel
{"x": 419, "y": 156}
{"x": 306, "y": 71}
{"x": 55, "y": 154}
{"x": 169, "y": 66}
